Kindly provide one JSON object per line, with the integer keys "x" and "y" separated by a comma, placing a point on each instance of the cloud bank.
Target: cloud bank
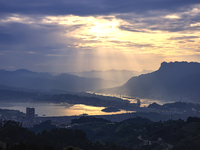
{"x": 65, "y": 35}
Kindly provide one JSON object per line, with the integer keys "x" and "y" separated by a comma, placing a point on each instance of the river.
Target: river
{"x": 56, "y": 109}
{"x": 65, "y": 109}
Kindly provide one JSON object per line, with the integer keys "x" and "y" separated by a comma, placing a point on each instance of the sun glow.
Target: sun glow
{"x": 108, "y": 45}
{"x": 104, "y": 29}
{"x": 106, "y": 42}
{"x": 110, "y": 34}
{"x": 172, "y": 17}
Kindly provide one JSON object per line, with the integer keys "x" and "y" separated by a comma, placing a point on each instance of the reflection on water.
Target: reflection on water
{"x": 65, "y": 109}
{"x": 144, "y": 101}
{"x": 52, "y": 109}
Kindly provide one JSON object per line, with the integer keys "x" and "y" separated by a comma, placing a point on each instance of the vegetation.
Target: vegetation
{"x": 136, "y": 133}
{"x": 122, "y": 133}
{"x": 46, "y": 125}
{"x": 181, "y": 135}
{"x": 87, "y": 119}
{"x": 16, "y": 137}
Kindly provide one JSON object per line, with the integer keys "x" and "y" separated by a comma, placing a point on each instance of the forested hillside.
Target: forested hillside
{"x": 98, "y": 134}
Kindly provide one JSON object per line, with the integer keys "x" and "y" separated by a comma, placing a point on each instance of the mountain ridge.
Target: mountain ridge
{"x": 23, "y": 78}
{"x": 118, "y": 76}
{"x": 173, "y": 80}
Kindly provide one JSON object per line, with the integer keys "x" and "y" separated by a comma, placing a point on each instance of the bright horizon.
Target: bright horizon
{"x": 66, "y": 36}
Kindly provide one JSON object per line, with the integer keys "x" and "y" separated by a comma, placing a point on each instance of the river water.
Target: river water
{"x": 144, "y": 101}
{"x": 53, "y": 109}
{"x": 65, "y": 109}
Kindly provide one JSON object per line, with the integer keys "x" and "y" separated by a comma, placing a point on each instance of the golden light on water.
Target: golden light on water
{"x": 52, "y": 109}
{"x": 90, "y": 110}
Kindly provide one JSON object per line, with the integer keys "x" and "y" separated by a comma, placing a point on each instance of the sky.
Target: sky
{"x": 84, "y": 35}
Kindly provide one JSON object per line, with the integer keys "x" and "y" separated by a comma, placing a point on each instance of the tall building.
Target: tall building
{"x": 138, "y": 102}
{"x": 30, "y": 113}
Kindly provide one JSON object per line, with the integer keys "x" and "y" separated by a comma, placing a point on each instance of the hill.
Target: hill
{"x": 45, "y": 81}
{"x": 14, "y": 137}
{"x": 142, "y": 134}
{"x": 174, "y": 81}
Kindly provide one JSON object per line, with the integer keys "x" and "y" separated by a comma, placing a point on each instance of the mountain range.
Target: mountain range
{"x": 25, "y": 79}
{"x": 172, "y": 81}
{"x": 118, "y": 76}
{"x": 175, "y": 81}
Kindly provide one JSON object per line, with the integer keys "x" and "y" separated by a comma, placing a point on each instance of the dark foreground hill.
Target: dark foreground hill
{"x": 44, "y": 81}
{"x": 142, "y": 134}
{"x": 131, "y": 134}
{"x": 174, "y": 81}
{"x": 14, "y": 137}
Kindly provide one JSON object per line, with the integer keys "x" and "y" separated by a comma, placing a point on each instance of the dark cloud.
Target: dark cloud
{"x": 48, "y": 7}
{"x": 183, "y": 37}
{"x": 170, "y": 28}
{"x": 34, "y": 42}
{"x": 29, "y": 45}
{"x": 162, "y": 23}
{"x": 131, "y": 44}
{"x": 90, "y": 7}
{"x": 34, "y": 37}
{"x": 181, "y": 42}
{"x": 119, "y": 42}
{"x": 131, "y": 28}
{"x": 140, "y": 45}
{"x": 15, "y": 34}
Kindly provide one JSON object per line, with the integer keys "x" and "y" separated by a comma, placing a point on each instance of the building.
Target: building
{"x": 138, "y": 102}
{"x": 30, "y": 113}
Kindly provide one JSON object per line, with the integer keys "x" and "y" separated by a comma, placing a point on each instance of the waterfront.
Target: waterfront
{"x": 92, "y": 105}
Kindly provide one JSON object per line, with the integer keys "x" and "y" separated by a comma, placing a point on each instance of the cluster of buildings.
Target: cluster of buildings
{"x": 27, "y": 120}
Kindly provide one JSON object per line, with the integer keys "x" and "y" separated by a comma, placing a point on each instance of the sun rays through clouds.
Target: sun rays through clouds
{"x": 104, "y": 37}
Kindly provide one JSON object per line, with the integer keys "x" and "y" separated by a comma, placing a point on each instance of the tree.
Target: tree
{"x": 72, "y": 148}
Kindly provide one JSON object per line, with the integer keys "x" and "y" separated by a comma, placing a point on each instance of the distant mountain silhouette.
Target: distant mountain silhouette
{"x": 23, "y": 78}
{"x": 174, "y": 81}
{"x": 119, "y": 76}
